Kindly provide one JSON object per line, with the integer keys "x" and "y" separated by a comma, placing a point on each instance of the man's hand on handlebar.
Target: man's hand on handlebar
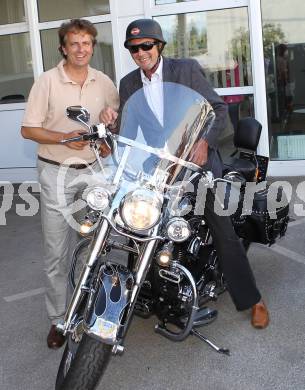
{"x": 77, "y": 145}
{"x": 78, "y": 139}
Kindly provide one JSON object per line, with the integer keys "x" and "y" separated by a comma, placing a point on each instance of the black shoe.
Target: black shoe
{"x": 55, "y": 339}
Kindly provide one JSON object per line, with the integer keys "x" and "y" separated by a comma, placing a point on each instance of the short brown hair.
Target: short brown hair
{"x": 75, "y": 26}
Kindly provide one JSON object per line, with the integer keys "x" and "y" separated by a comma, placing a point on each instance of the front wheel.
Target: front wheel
{"x": 82, "y": 364}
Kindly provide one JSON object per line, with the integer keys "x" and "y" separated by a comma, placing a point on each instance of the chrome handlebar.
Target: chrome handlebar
{"x": 95, "y": 132}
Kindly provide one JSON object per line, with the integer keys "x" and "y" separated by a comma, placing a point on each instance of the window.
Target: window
{"x": 240, "y": 106}
{"x": 284, "y": 53}
{"x": 218, "y": 40}
{"x": 103, "y": 52}
{"x": 59, "y": 10}
{"x": 159, "y": 2}
{"x": 11, "y": 11}
{"x": 16, "y": 73}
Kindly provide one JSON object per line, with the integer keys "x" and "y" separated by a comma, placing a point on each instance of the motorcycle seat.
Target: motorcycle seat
{"x": 246, "y": 137}
{"x": 246, "y": 167}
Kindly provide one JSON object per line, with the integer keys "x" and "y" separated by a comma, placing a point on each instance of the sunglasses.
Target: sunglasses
{"x": 145, "y": 46}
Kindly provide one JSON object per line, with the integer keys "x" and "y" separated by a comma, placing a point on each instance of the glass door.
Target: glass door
{"x": 283, "y": 23}
{"x": 217, "y": 35}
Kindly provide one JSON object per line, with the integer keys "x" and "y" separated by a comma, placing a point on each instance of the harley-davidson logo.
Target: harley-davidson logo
{"x": 135, "y": 31}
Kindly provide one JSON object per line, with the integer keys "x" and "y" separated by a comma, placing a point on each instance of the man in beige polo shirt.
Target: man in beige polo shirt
{"x": 72, "y": 82}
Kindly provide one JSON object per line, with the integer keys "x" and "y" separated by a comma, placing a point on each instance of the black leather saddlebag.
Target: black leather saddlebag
{"x": 265, "y": 221}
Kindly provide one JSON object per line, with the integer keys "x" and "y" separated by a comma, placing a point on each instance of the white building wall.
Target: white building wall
{"x": 124, "y": 12}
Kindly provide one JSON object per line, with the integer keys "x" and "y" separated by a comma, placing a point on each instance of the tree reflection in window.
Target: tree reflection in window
{"x": 218, "y": 40}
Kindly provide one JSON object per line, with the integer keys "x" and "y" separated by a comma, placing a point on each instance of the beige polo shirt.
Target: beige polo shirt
{"x": 52, "y": 93}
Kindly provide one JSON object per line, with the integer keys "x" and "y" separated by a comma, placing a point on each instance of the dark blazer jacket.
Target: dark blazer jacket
{"x": 189, "y": 73}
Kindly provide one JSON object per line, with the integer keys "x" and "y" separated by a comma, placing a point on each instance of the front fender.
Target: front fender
{"x": 110, "y": 296}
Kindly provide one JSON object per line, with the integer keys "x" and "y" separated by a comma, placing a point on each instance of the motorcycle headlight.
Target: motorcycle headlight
{"x": 97, "y": 198}
{"x": 178, "y": 229}
{"x": 141, "y": 209}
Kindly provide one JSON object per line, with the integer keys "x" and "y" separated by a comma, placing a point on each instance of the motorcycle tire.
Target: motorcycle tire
{"x": 85, "y": 368}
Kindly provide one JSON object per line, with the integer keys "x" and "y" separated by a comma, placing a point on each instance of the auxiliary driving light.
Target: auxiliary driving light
{"x": 86, "y": 228}
{"x": 178, "y": 229}
{"x": 97, "y": 198}
{"x": 165, "y": 255}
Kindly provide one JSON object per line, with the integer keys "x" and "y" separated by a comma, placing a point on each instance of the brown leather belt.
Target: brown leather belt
{"x": 74, "y": 166}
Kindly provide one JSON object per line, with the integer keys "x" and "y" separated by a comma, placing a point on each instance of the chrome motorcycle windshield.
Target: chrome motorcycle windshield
{"x": 156, "y": 137}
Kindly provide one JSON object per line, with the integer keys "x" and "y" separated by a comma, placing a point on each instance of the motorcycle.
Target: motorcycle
{"x": 144, "y": 206}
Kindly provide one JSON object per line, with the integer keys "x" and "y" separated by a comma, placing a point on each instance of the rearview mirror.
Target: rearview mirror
{"x": 78, "y": 114}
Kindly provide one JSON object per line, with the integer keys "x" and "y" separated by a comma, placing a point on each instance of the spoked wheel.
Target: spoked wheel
{"x": 83, "y": 364}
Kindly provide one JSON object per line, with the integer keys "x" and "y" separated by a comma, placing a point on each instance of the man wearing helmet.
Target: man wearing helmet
{"x": 145, "y": 42}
